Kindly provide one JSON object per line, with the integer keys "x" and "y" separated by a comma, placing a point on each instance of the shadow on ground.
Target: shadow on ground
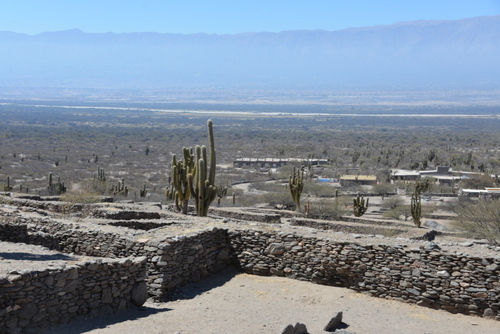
{"x": 84, "y": 325}
{"x": 35, "y": 257}
{"x": 192, "y": 290}
{"x": 189, "y": 291}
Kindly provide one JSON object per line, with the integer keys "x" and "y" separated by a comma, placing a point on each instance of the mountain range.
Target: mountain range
{"x": 420, "y": 54}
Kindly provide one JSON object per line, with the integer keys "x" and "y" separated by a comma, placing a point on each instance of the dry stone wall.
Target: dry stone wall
{"x": 171, "y": 262}
{"x": 459, "y": 284}
{"x": 30, "y": 300}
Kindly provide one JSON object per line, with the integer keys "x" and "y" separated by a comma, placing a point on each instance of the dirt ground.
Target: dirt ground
{"x": 241, "y": 304}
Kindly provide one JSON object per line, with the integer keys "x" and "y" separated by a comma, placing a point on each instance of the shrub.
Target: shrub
{"x": 481, "y": 220}
{"x": 332, "y": 209}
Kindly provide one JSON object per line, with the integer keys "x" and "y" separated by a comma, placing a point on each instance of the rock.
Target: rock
{"x": 443, "y": 274}
{"x": 466, "y": 244}
{"x": 334, "y": 322}
{"x": 297, "y": 329}
{"x": 139, "y": 293}
{"x": 28, "y": 311}
{"x": 431, "y": 246}
{"x": 300, "y": 329}
{"x": 489, "y": 313}
{"x": 275, "y": 249}
{"x": 434, "y": 225}
{"x": 492, "y": 267}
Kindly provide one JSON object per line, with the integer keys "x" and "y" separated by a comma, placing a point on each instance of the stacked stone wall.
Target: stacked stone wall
{"x": 171, "y": 262}
{"x": 456, "y": 283}
{"x": 459, "y": 284}
{"x": 30, "y": 300}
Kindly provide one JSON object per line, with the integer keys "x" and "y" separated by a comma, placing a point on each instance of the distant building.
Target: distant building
{"x": 274, "y": 162}
{"x": 347, "y": 180}
{"x": 481, "y": 193}
{"x": 442, "y": 174}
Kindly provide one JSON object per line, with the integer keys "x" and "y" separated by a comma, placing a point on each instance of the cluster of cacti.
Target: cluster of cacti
{"x": 119, "y": 189}
{"x": 416, "y": 208}
{"x": 296, "y": 185}
{"x": 99, "y": 176}
{"x": 143, "y": 192}
{"x": 360, "y": 206}
{"x": 194, "y": 177}
{"x": 56, "y": 188}
{"x": 7, "y": 187}
{"x": 221, "y": 192}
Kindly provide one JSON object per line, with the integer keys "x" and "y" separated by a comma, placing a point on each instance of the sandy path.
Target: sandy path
{"x": 239, "y": 303}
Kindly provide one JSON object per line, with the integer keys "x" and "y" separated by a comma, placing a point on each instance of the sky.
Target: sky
{"x": 227, "y": 16}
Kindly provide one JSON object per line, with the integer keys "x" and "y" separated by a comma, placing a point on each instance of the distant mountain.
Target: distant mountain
{"x": 459, "y": 54}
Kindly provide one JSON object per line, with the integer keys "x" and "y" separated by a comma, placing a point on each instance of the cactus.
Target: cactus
{"x": 296, "y": 185}
{"x": 143, "y": 191}
{"x": 193, "y": 177}
{"x": 307, "y": 209}
{"x": 57, "y": 188}
{"x": 359, "y": 206}
{"x": 100, "y": 177}
{"x": 7, "y": 187}
{"x": 120, "y": 188}
{"x": 221, "y": 192}
{"x": 202, "y": 189}
{"x": 179, "y": 187}
{"x": 416, "y": 208}
{"x": 202, "y": 179}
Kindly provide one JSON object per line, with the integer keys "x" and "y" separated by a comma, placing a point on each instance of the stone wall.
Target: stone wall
{"x": 362, "y": 228}
{"x": 459, "y": 284}
{"x": 456, "y": 283}
{"x": 171, "y": 261}
{"x": 30, "y": 300}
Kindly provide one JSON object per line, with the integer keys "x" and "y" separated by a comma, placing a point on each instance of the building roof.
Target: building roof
{"x": 358, "y": 177}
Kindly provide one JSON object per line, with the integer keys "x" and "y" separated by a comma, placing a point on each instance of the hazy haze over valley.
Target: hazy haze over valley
{"x": 408, "y": 56}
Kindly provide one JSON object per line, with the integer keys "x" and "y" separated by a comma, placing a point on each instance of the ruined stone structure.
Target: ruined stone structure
{"x": 431, "y": 278}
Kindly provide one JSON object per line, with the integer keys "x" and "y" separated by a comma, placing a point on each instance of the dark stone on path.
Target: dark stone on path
{"x": 334, "y": 322}
{"x": 297, "y": 329}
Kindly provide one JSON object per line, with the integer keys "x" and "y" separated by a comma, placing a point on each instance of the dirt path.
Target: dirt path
{"x": 240, "y": 304}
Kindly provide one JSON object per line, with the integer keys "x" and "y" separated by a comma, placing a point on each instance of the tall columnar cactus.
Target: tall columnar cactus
{"x": 143, "y": 192}
{"x": 202, "y": 178}
{"x": 416, "y": 208}
{"x": 221, "y": 192}
{"x": 56, "y": 188}
{"x": 7, "y": 187}
{"x": 360, "y": 206}
{"x": 296, "y": 185}
{"x": 99, "y": 176}
{"x": 179, "y": 189}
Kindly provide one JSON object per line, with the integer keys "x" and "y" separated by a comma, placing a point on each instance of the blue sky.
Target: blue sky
{"x": 227, "y": 16}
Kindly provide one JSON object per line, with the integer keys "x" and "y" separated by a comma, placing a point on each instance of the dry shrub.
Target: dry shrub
{"x": 480, "y": 219}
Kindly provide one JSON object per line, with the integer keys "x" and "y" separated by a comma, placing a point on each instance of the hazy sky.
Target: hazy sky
{"x": 226, "y": 16}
